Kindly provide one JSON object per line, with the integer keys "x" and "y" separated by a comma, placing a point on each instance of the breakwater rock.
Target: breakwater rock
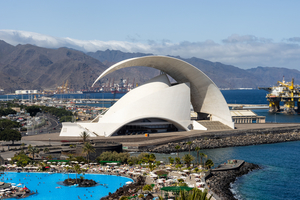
{"x": 129, "y": 190}
{"x": 226, "y": 141}
{"x": 219, "y": 181}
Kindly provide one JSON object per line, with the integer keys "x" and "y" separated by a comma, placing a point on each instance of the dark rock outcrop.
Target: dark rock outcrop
{"x": 128, "y": 190}
{"x": 219, "y": 181}
{"x": 80, "y": 182}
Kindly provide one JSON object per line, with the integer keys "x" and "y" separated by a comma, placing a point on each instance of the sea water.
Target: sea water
{"x": 50, "y": 187}
{"x": 278, "y": 178}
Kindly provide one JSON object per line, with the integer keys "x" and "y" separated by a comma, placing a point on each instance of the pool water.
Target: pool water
{"x": 46, "y": 185}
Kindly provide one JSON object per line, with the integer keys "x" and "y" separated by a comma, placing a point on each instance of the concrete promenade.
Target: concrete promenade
{"x": 134, "y": 142}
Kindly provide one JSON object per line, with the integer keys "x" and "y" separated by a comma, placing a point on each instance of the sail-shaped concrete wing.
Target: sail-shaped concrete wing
{"x": 205, "y": 95}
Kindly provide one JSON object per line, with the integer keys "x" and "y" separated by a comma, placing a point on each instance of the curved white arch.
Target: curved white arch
{"x": 205, "y": 95}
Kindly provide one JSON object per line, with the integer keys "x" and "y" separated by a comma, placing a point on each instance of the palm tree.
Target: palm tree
{"x": 177, "y": 147}
{"x": 22, "y": 145}
{"x": 188, "y": 159}
{"x": 197, "y": 149}
{"x": 201, "y": 156}
{"x": 33, "y": 150}
{"x": 84, "y": 135}
{"x": 67, "y": 169}
{"x": 87, "y": 149}
{"x": 177, "y": 160}
{"x": 152, "y": 158}
{"x": 171, "y": 160}
{"x": 189, "y": 143}
{"x": 46, "y": 150}
{"x": 194, "y": 194}
{"x": 29, "y": 147}
{"x": 77, "y": 170}
{"x": 70, "y": 157}
{"x": 209, "y": 163}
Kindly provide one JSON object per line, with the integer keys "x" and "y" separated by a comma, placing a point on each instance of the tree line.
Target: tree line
{"x": 8, "y": 130}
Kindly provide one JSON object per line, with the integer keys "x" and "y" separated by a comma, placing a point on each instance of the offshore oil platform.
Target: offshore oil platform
{"x": 285, "y": 92}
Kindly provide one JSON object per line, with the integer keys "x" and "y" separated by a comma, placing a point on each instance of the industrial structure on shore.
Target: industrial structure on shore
{"x": 285, "y": 92}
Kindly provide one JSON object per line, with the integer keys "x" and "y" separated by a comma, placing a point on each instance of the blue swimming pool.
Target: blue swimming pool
{"x": 46, "y": 185}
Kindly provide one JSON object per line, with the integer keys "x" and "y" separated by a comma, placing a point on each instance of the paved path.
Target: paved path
{"x": 135, "y": 141}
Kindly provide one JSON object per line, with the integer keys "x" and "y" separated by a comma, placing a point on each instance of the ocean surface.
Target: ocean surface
{"x": 279, "y": 177}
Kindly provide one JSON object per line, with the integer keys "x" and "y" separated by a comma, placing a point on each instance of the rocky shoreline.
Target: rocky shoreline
{"x": 226, "y": 141}
{"x": 129, "y": 190}
{"x": 219, "y": 181}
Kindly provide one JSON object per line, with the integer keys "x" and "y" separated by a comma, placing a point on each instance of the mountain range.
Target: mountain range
{"x": 31, "y": 67}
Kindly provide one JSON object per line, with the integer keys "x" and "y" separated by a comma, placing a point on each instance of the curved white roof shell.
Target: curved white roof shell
{"x": 205, "y": 95}
{"x": 155, "y": 100}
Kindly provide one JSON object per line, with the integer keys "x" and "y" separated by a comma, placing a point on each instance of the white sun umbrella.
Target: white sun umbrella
{"x": 19, "y": 184}
{"x": 182, "y": 177}
{"x": 169, "y": 180}
{"x": 197, "y": 179}
{"x": 2, "y": 190}
{"x": 128, "y": 182}
{"x": 160, "y": 180}
{"x": 153, "y": 175}
{"x": 186, "y": 170}
{"x": 168, "y": 168}
{"x": 48, "y": 162}
{"x": 200, "y": 183}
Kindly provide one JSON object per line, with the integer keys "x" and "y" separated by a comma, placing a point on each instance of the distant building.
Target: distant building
{"x": 246, "y": 117}
{"x": 26, "y": 91}
{"x": 158, "y": 105}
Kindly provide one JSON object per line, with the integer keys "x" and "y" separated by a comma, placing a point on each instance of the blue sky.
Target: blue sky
{"x": 242, "y": 33}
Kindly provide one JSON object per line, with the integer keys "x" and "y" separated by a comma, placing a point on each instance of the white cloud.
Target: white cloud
{"x": 244, "y": 51}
